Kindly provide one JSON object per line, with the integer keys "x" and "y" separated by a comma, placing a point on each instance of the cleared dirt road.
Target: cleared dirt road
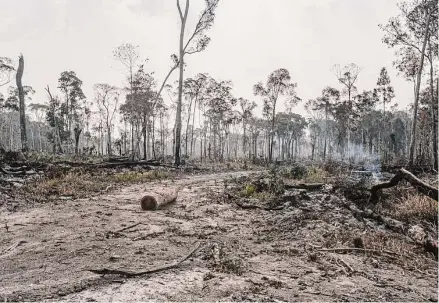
{"x": 48, "y": 250}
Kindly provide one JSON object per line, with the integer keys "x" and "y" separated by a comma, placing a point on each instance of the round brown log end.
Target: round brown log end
{"x": 148, "y": 203}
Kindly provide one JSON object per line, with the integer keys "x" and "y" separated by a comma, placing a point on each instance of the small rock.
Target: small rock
{"x": 114, "y": 258}
{"x": 375, "y": 263}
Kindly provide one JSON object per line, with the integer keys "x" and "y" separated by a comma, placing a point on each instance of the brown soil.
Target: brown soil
{"x": 246, "y": 255}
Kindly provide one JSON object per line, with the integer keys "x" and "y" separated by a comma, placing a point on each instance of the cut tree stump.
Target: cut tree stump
{"x": 158, "y": 199}
{"x": 403, "y": 174}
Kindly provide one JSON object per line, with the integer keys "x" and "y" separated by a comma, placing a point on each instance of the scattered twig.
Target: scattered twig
{"x": 337, "y": 261}
{"x": 128, "y": 227}
{"x": 106, "y": 271}
{"x": 318, "y": 293}
{"x": 425, "y": 273}
{"x": 346, "y": 264}
{"x": 314, "y": 246}
{"x": 346, "y": 249}
{"x": 13, "y": 246}
{"x": 252, "y": 206}
{"x": 154, "y": 234}
{"x": 125, "y": 209}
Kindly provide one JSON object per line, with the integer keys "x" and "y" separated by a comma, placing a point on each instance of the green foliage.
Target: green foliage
{"x": 249, "y": 190}
{"x": 139, "y": 102}
{"x": 12, "y": 102}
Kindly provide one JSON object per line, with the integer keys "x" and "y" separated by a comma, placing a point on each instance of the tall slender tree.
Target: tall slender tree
{"x": 348, "y": 76}
{"x": 21, "y": 93}
{"x": 107, "y": 99}
{"x": 330, "y": 97}
{"x": 411, "y": 29}
{"x": 197, "y": 42}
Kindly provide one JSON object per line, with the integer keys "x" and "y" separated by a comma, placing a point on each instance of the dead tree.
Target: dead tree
{"x": 24, "y": 146}
{"x": 403, "y": 174}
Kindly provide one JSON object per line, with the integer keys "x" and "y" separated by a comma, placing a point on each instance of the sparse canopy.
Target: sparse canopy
{"x": 278, "y": 84}
{"x": 6, "y": 70}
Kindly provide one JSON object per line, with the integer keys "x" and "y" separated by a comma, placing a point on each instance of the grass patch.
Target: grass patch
{"x": 249, "y": 190}
{"x": 139, "y": 176}
{"x": 72, "y": 184}
{"x": 80, "y": 183}
{"x": 415, "y": 207}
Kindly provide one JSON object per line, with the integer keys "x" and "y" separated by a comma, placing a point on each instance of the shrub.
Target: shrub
{"x": 315, "y": 174}
{"x": 297, "y": 171}
{"x": 249, "y": 190}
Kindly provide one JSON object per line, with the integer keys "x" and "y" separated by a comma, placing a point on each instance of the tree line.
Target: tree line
{"x": 212, "y": 124}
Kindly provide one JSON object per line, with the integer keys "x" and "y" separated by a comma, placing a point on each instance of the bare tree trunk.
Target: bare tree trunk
{"x": 326, "y": 132}
{"x": 433, "y": 111}
{"x": 418, "y": 88}
{"x": 109, "y": 137}
{"x": 193, "y": 126}
{"x": 148, "y": 139}
{"x": 77, "y": 132}
{"x": 125, "y": 137}
{"x": 24, "y": 146}
{"x": 153, "y": 137}
{"x": 132, "y": 137}
{"x": 145, "y": 139}
{"x": 180, "y": 85}
{"x": 187, "y": 127}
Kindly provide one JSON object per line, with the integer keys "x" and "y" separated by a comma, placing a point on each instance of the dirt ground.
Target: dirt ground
{"x": 263, "y": 255}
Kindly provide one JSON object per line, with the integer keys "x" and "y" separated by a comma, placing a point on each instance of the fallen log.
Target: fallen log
{"x": 18, "y": 172}
{"x": 424, "y": 240}
{"x": 403, "y": 174}
{"x": 158, "y": 199}
{"x": 251, "y": 206}
{"x": 145, "y": 164}
{"x": 118, "y": 159}
{"x": 105, "y": 164}
{"x": 307, "y": 186}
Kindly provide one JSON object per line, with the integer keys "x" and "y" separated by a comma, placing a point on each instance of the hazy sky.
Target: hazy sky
{"x": 250, "y": 39}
